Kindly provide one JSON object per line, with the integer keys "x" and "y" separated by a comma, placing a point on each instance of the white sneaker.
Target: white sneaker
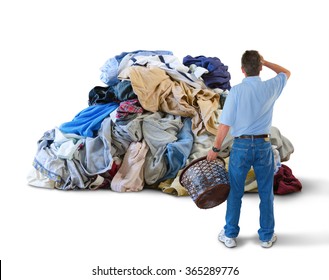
{"x": 268, "y": 244}
{"x": 229, "y": 242}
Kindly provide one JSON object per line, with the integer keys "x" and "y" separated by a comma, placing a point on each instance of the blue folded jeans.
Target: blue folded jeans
{"x": 244, "y": 154}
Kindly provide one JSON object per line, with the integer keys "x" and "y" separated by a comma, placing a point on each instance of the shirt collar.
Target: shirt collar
{"x": 251, "y": 78}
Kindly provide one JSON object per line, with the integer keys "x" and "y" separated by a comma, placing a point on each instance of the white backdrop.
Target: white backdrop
{"x": 51, "y": 52}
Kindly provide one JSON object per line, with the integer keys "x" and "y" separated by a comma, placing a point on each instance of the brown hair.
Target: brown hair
{"x": 251, "y": 63}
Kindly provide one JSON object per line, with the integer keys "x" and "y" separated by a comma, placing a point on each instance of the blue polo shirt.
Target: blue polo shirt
{"x": 249, "y": 105}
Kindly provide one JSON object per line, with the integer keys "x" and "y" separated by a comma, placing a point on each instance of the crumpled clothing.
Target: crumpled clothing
{"x": 178, "y": 152}
{"x": 66, "y": 145}
{"x": 92, "y": 158}
{"x": 125, "y": 133}
{"x": 170, "y": 64}
{"x": 111, "y": 68}
{"x": 285, "y": 182}
{"x": 87, "y": 122}
{"x": 156, "y": 91}
{"x": 282, "y": 143}
{"x": 217, "y": 76}
{"x": 197, "y": 71}
{"x": 96, "y": 155}
{"x": 130, "y": 176}
{"x": 129, "y": 107}
{"x": 118, "y": 92}
{"x": 159, "y": 129}
{"x": 277, "y": 159}
{"x": 100, "y": 95}
{"x": 37, "y": 179}
{"x": 173, "y": 186}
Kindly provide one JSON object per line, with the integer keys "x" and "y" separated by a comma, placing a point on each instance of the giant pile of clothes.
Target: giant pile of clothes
{"x": 153, "y": 116}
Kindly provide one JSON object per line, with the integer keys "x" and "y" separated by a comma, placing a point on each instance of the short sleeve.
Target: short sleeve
{"x": 277, "y": 84}
{"x": 228, "y": 114}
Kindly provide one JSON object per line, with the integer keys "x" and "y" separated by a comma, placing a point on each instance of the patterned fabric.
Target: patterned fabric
{"x": 128, "y": 107}
{"x": 207, "y": 182}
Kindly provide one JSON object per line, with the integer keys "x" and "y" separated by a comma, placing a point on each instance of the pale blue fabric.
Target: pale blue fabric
{"x": 249, "y": 105}
{"x": 159, "y": 129}
{"x": 92, "y": 158}
{"x": 178, "y": 152}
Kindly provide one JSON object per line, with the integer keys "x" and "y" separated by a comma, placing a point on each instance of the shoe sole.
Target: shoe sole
{"x": 270, "y": 243}
{"x": 222, "y": 239}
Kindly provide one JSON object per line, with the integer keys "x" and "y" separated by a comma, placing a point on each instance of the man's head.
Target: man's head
{"x": 251, "y": 63}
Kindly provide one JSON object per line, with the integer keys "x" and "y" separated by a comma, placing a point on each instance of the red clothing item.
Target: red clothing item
{"x": 127, "y": 107}
{"x": 285, "y": 182}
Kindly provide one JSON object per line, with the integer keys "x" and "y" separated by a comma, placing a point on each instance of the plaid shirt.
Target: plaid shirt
{"x": 127, "y": 107}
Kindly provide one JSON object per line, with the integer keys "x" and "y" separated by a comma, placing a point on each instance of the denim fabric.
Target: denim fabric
{"x": 244, "y": 154}
{"x": 178, "y": 151}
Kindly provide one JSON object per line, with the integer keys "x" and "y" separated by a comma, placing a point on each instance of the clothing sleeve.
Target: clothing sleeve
{"x": 277, "y": 84}
{"x": 229, "y": 112}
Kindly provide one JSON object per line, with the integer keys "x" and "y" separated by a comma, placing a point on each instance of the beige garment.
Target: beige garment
{"x": 156, "y": 91}
{"x": 173, "y": 186}
{"x": 96, "y": 183}
{"x": 208, "y": 102}
{"x": 130, "y": 176}
{"x": 37, "y": 179}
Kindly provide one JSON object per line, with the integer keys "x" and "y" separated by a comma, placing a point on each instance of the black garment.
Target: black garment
{"x": 100, "y": 95}
{"x": 119, "y": 92}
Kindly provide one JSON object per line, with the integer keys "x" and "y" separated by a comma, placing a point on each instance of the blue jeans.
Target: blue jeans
{"x": 244, "y": 154}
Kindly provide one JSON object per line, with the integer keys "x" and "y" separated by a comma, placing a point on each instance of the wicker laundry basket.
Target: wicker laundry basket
{"x": 206, "y": 182}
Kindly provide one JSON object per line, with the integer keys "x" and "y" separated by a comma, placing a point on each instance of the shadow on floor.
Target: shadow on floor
{"x": 290, "y": 239}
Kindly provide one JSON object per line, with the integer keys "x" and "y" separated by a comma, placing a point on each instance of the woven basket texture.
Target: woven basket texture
{"x": 206, "y": 181}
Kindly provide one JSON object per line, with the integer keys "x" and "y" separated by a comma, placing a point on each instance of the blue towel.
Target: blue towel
{"x": 88, "y": 121}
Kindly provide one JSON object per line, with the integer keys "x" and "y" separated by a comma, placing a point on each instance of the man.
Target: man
{"x": 248, "y": 113}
